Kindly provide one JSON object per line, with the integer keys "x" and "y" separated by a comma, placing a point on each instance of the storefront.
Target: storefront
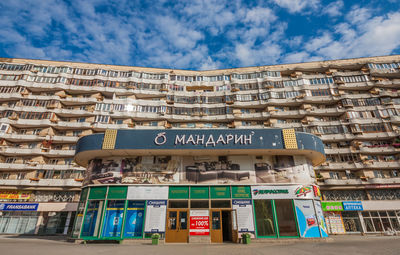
{"x": 34, "y": 218}
{"x": 356, "y": 217}
{"x": 199, "y": 185}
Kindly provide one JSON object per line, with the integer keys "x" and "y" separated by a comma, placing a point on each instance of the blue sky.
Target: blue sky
{"x": 198, "y": 34}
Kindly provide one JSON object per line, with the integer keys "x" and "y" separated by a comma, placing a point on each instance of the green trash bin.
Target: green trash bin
{"x": 154, "y": 239}
{"x": 246, "y": 238}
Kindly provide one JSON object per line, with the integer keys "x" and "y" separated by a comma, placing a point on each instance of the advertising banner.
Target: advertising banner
{"x": 147, "y": 192}
{"x": 282, "y": 192}
{"x": 332, "y": 206}
{"x": 134, "y": 219}
{"x": 199, "y": 223}
{"x": 113, "y": 219}
{"x": 306, "y": 218}
{"x": 14, "y": 195}
{"x": 244, "y": 211}
{"x": 352, "y": 206}
{"x": 213, "y": 169}
{"x": 18, "y": 207}
{"x": 334, "y": 223}
{"x": 321, "y": 219}
{"x": 155, "y": 216}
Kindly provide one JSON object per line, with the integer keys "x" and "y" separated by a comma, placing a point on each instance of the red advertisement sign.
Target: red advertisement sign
{"x": 199, "y": 226}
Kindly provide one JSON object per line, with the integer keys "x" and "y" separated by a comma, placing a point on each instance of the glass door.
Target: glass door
{"x": 286, "y": 220}
{"x": 264, "y": 217}
{"x": 177, "y": 226}
{"x": 216, "y": 228}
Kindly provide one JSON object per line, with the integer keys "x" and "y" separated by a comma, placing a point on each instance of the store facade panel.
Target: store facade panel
{"x": 199, "y": 185}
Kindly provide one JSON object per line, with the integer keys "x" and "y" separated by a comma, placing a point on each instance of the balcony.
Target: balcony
{"x": 337, "y": 137}
{"x": 73, "y": 125}
{"x": 60, "y": 183}
{"x": 288, "y": 114}
{"x": 384, "y": 180}
{"x": 378, "y": 150}
{"x": 326, "y": 111}
{"x": 37, "y": 166}
{"x": 342, "y": 182}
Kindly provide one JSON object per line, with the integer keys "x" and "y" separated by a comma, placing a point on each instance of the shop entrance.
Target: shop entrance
{"x": 223, "y": 226}
{"x": 177, "y": 226}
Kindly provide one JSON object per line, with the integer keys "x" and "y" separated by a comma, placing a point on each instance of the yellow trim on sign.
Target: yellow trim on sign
{"x": 110, "y": 136}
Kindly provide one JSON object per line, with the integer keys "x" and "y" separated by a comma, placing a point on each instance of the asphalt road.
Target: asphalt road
{"x": 337, "y": 245}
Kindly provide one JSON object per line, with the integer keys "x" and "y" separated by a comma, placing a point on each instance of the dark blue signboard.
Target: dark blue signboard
{"x": 352, "y": 206}
{"x": 18, "y": 207}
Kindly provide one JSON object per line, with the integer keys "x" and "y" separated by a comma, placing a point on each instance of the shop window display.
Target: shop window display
{"x": 113, "y": 218}
{"x": 134, "y": 219}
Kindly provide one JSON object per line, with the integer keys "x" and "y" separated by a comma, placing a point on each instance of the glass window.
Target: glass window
{"x": 134, "y": 219}
{"x": 91, "y": 222}
{"x": 113, "y": 218}
{"x": 286, "y": 218}
{"x": 172, "y": 220}
{"x": 216, "y": 220}
{"x": 264, "y": 218}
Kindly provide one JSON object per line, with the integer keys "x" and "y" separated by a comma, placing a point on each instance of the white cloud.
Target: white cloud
{"x": 296, "y": 6}
{"x": 359, "y": 15}
{"x": 318, "y": 42}
{"x": 334, "y": 9}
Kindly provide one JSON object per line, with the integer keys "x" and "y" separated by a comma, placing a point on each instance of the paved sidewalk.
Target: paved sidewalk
{"x": 336, "y": 245}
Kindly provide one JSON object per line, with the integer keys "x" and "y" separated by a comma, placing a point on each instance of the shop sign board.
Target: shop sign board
{"x": 147, "y": 192}
{"x": 282, "y": 192}
{"x": 199, "y": 223}
{"x": 14, "y": 195}
{"x": 199, "y": 192}
{"x": 244, "y": 212}
{"x": 156, "y": 211}
{"x": 241, "y": 192}
{"x": 352, "y": 206}
{"x": 220, "y": 192}
{"x": 178, "y": 192}
{"x": 306, "y": 218}
{"x": 18, "y": 207}
{"x": 332, "y": 206}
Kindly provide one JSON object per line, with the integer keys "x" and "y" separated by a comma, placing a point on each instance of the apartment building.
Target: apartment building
{"x": 352, "y": 105}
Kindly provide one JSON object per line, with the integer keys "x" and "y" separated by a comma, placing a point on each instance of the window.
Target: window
{"x": 334, "y": 175}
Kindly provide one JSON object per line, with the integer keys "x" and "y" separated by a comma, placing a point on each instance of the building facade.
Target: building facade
{"x": 200, "y": 185}
{"x": 352, "y": 105}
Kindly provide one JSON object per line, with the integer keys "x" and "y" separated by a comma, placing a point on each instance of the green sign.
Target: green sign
{"x": 220, "y": 192}
{"x": 178, "y": 192}
{"x": 241, "y": 192}
{"x": 117, "y": 192}
{"x": 332, "y": 206}
{"x": 84, "y": 194}
{"x": 97, "y": 192}
{"x": 199, "y": 192}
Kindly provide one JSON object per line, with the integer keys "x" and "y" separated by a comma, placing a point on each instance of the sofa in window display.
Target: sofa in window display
{"x": 206, "y": 171}
{"x": 145, "y": 170}
{"x": 104, "y": 171}
{"x": 283, "y": 170}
